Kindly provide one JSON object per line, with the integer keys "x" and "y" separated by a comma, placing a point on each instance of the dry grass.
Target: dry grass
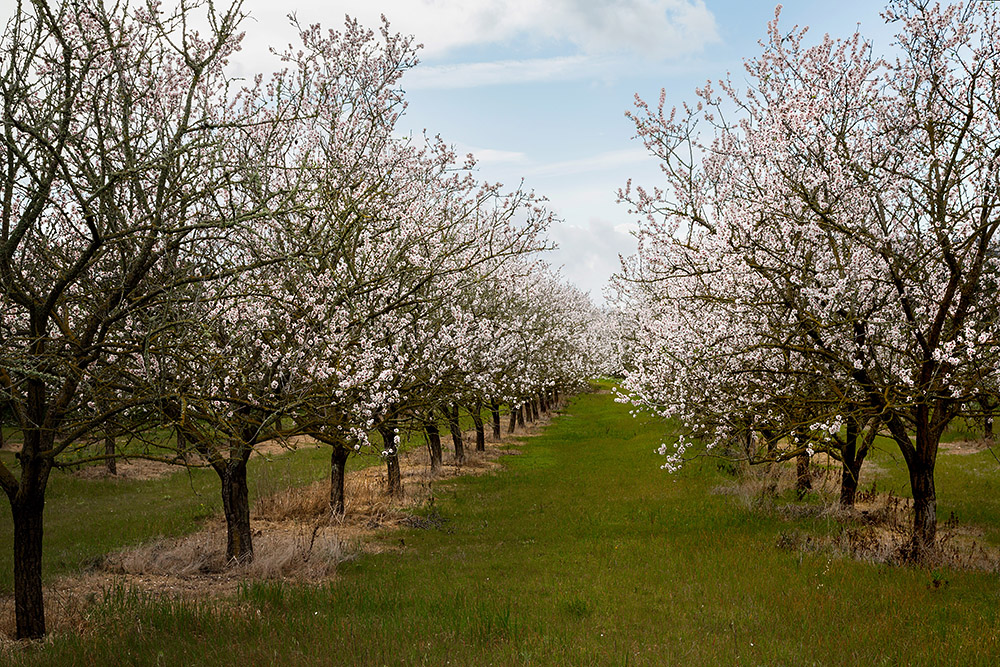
{"x": 296, "y": 538}
{"x": 967, "y": 446}
{"x": 877, "y": 529}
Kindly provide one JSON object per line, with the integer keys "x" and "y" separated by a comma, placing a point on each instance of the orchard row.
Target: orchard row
{"x": 823, "y": 263}
{"x": 192, "y": 265}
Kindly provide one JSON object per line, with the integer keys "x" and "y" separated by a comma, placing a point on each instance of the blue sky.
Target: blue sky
{"x": 538, "y": 89}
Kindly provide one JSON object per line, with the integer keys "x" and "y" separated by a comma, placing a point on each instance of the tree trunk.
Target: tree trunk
{"x": 920, "y": 457}
{"x": 853, "y": 456}
{"x": 536, "y": 412}
{"x": 477, "y": 419}
{"x": 456, "y": 434}
{"x": 110, "y": 465}
{"x": 555, "y": 394}
{"x": 338, "y": 474}
{"x": 434, "y": 444}
{"x": 395, "y": 483}
{"x": 495, "y": 413}
{"x": 29, "y": 607}
{"x": 542, "y": 403}
{"x": 520, "y": 415}
{"x": 924, "y": 509}
{"x": 803, "y": 478}
{"x": 513, "y": 420}
{"x": 236, "y": 507}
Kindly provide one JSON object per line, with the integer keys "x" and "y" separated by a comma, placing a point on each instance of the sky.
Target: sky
{"x": 538, "y": 89}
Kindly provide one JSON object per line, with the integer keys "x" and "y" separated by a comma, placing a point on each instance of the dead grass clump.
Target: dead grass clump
{"x": 758, "y": 487}
{"x": 299, "y": 552}
{"x": 65, "y": 612}
{"x": 293, "y": 504}
{"x": 878, "y": 529}
{"x": 130, "y": 469}
{"x": 967, "y": 446}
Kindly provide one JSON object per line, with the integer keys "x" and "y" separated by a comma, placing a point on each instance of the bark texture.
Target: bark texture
{"x": 110, "y": 463}
{"x": 434, "y": 444}
{"x": 338, "y": 476}
{"x": 853, "y": 455}
{"x": 236, "y": 507}
{"x": 803, "y": 476}
{"x": 29, "y": 608}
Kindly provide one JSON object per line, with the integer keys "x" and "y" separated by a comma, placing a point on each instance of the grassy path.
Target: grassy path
{"x": 581, "y": 552}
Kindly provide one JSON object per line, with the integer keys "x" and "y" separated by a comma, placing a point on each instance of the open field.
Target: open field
{"x": 580, "y": 551}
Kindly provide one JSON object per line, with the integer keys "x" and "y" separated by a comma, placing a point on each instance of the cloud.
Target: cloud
{"x": 472, "y": 75}
{"x": 494, "y": 156}
{"x": 588, "y": 256}
{"x": 654, "y": 29}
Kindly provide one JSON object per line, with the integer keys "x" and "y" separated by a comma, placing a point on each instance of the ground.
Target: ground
{"x": 580, "y": 550}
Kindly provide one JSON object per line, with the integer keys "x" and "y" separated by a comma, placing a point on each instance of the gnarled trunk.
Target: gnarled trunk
{"x": 338, "y": 475}
{"x": 434, "y": 444}
{"x": 924, "y": 509}
{"x": 853, "y": 456}
{"x": 27, "y": 505}
{"x": 803, "y": 476}
{"x": 236, "y": 507}
{"x": 920, "y": 457}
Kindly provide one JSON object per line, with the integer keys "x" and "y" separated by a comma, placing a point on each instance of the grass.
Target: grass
{"x": 967, "y": 485}
{"x": 581, "y": 552}
{"x": 87, "y": 518}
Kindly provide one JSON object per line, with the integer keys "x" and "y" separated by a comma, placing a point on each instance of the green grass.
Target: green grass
{"x": 580, "y": 552}
{"x": 87, "y": 518}
{"x": 967, "y": 485}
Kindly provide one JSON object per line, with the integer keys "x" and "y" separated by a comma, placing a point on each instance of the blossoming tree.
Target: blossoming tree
{"x": 843, "y": 228}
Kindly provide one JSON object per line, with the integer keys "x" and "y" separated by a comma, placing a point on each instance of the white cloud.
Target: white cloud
{"x": 588, "y": 256}
{"x": 493, "y": 156}
{"x": 472, "y": 75}
{"x": 650, "y": 28}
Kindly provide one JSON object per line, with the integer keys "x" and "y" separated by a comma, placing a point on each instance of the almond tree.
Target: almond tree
{"x": 845, "y": 223}
{"x": 110, "y": 163}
